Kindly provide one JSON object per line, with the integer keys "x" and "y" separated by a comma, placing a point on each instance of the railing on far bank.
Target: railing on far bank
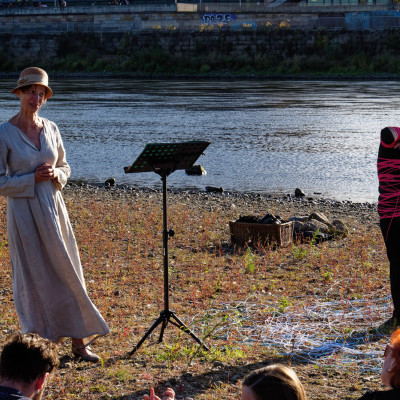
{"x": 293, "y": 7}
{"x": 97, "y": 7}
{"x": 129, "y": 6}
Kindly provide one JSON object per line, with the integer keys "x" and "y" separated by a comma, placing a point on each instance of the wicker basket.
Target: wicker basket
{"x": 243, "y": 232}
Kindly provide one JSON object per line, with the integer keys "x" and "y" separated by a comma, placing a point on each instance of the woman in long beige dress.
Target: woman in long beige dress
{"x": 48, "y": 284}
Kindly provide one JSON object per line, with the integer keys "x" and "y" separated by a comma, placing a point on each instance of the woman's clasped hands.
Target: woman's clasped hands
{"x": 45, "y": 172}
{"x": 169, "y": 394}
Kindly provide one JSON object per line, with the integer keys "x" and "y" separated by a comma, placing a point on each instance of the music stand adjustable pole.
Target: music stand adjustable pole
{"x": 166, "y": 315}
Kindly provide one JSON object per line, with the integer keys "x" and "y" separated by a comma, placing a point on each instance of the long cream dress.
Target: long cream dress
{"x": 48, "y": 284}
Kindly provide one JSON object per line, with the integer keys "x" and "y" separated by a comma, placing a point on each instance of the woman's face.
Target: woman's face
{"x": 388, "y": 366}
{"x": 247, "y": 393}
{"x": 32, "y": 98}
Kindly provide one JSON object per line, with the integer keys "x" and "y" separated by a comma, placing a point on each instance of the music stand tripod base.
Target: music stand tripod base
{"x": 163, "y": 159}
{"x": 164, "y": 318}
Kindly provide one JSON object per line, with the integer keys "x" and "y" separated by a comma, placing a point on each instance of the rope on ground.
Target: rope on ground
{"x": 342, "y": 333}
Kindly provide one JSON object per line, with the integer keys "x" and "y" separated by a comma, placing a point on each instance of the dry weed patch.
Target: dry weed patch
{"x": 252, "y": 306}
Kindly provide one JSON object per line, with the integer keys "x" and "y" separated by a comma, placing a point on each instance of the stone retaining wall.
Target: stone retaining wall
{"x": 279, "y": 43}
{"x": 130, "y": 21}
{"x": 104, "y": 19}
{"x": 117, "y": 33}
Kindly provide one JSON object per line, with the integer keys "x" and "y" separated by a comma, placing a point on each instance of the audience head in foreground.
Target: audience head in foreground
{"x": 275, "y": 382}
{"x": 26, "y": 362}
{"x": 390, "y": 374}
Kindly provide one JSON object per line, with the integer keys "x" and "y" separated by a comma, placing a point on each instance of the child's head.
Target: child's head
{"x": 275, "y": 382}
{"x": 391, "y": 365}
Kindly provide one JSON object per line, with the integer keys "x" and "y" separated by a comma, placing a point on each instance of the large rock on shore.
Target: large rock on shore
{"x": 318, "y": 225}
{"x": 196, "y": 169}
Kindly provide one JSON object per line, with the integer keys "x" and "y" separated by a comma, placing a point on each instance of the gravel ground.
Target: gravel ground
{"x": 286, "y": 206}
{"x": 321, "y": 383}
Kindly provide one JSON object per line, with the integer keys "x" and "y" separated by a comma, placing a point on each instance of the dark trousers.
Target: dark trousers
{"x": 391, "y": 234}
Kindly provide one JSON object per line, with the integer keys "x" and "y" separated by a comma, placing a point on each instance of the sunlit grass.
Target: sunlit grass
{"x": 120, "y": 240}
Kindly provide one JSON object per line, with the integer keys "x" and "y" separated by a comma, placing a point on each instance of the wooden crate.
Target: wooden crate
{"x": 243, "y": 232}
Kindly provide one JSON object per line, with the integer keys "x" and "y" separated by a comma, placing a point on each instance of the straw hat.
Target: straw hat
{"x": 33, "y": 76}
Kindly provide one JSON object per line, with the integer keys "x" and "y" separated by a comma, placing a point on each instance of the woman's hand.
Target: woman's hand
{"x": 45, "y": 172}
{"x": 169, "y": 394}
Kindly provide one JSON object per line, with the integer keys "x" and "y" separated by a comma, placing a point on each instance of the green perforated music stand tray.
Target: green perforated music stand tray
{"x": 163, "y": 159}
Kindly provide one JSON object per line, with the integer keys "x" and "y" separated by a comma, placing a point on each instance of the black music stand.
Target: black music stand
{"x": 163, "y": 159}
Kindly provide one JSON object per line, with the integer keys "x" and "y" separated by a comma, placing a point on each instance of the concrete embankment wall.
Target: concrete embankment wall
{"x": 187, "y": 17}
{"x": 126, "y": 19}
{"x": 46, "y": 35}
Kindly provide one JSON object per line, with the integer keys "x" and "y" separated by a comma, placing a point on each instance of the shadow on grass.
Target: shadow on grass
{"x": 190, "y": 385}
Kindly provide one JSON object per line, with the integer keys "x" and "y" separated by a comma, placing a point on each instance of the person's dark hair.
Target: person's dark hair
{"x": 26, "y": 357}
{"x": 275, "y": 382}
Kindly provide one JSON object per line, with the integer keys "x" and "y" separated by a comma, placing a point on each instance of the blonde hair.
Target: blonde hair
{"x": 275, "y": 382}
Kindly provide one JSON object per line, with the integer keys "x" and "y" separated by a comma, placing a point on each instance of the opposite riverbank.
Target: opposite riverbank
{"x": 272, "y": 53}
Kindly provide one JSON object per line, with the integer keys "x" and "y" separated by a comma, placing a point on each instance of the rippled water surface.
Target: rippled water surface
{"x": 268, "y": 136}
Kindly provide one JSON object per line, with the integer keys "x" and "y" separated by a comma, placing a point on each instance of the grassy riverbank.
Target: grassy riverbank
{"x": 230, "y": 296}
{"x": 264, "y": 53}
{"x": 158, "y": 63}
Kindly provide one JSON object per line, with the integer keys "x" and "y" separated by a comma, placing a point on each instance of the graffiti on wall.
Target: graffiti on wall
{"x": 222, "y": 18}
{"x": 372, "y": 19}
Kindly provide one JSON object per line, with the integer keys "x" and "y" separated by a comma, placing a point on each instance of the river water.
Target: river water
{"x": 266, "y": 136}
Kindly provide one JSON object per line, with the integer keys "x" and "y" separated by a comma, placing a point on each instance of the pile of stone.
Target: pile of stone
{"x": 318, "y": 227}
{"x": 266, "y": 219}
